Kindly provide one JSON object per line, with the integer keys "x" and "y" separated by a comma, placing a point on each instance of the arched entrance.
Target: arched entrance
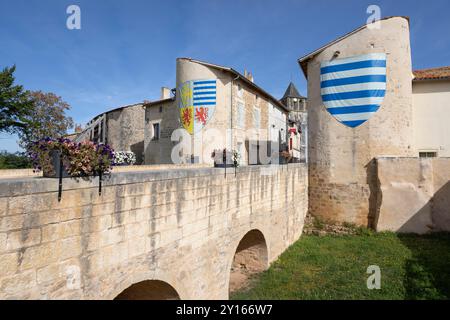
{"x": 149, "y": 290}
{"x": 250, "y": 258}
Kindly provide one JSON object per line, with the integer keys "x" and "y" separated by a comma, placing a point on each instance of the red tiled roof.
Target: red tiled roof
{"x": 441, "y": 73}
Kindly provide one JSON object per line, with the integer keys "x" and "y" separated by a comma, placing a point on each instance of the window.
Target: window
{"x": 239, "y": 91}
{"x": 428, "y": 154}
{"x": 257, "y": 99}
{"x": 241, "y": 115}
{"x": 156, "y": 131}
{"x": 240, "y": 150}
{"x": 160, "y": 109}
{"x": 256, "y": 117}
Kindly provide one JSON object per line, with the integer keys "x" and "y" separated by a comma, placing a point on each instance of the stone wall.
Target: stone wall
{"x": 339, "y": 156}
{"x": 412, "y": 194}
{"x": 167, "y": 114}
{"x": 178, "y": 226}
{"x": 250, "y": 99}
{"x": 125, "y": 130}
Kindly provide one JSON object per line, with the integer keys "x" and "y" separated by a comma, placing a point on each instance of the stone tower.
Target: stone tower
{"x": 298, "y": 116}
{"x": 293, "y": 99}
{"x": 342, "y": 187}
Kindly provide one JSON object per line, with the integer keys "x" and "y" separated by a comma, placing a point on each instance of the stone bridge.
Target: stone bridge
{"x": 165, "y": 234}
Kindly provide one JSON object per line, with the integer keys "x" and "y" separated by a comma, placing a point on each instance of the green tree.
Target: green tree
{"x": 48, "y": 118}
{"x": 16, "y": 160}
{"x": 15, "y": 104}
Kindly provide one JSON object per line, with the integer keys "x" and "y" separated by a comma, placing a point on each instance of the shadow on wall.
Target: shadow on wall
{"x": 434, "y": 215}
{"x": 430, "y": 255}
{"x": 138, "y": 149}
{"x": 403, "y": 204}
{"x": 149, "y": 290}
{"x": 376, "y": 196}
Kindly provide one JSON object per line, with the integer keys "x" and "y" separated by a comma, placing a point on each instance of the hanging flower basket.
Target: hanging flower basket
{"x": 285, "y": 157}
{"x": 62, "y": 157}
{"x": 57, "y": 168}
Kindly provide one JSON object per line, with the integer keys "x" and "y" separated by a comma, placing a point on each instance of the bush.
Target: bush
{"x": 16, "y": 160}
{"x": 124, "y": 158}
{"x": 79, "y": 159}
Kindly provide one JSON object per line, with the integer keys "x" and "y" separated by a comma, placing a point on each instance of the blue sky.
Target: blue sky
{"x": 126, "y": 50}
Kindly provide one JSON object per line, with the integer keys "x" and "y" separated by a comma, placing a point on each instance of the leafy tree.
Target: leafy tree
{"x": 14, "y": 160}
{"x": 15, "y": 104}
{"x": 48, "y": 118}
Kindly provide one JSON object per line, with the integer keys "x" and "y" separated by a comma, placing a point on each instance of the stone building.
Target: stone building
{"x": 122, "y": 128}
{"x": 161, "y": 119}
{"x": 347, "y": 145}
{"x": 218, "y": 107}
{"x": 236, "y": 114}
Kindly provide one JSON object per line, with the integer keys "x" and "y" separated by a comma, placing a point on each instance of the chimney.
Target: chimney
{"x": 248, "y": 75}
{"x": 165, "y": 93}
{"x": 78, "y": 128}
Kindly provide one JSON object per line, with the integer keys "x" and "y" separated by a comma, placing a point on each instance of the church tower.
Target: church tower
{"x": 297, "y": 121}
{"x": 293, "y": 99}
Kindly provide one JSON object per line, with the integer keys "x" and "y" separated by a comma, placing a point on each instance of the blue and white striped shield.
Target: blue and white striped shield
{"x": 353, "y": 88}
{"x": 197, "y": 103}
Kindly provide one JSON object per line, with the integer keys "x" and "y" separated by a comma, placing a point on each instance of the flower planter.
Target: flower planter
{"x": 56, "y": 164}
{"x": 61, "y": 172}
{"x": 84, "y": 159}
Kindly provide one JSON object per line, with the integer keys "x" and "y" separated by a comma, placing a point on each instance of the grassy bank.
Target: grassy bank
{"x": 334, "y": 267}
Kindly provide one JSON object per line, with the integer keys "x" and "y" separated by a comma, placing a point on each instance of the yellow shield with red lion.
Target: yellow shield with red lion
{"x": 197, "y": 103}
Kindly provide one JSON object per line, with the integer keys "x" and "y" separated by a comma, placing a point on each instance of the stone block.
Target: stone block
{"x": 18, "y": 284}
{"x": 22, "y": 239}
{"x": 9, "y": 264}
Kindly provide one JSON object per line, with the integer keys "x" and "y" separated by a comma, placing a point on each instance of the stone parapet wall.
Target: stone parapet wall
{"x": 179, "y": 226}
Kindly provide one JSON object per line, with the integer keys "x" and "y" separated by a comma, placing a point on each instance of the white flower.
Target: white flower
{"x": 124, "y": 158}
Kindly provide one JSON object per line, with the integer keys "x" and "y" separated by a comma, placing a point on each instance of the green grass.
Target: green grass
{"x": 334, "y": 267}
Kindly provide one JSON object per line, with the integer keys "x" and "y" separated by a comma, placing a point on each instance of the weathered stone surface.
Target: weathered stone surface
{"x": 18, "y": 285}
{"x": 24, "y": 238}
{"x": 340, "y": 156}
{"x": 413, "y": 194}
{"x": 178, "y": 226}
{"x": 9, "y": 263}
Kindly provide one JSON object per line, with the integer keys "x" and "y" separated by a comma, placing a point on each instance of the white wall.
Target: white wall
{"x": 431, "y": 116}
{"x": 277, "y": 123}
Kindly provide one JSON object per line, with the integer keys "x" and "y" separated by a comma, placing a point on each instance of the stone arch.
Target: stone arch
{"x": 250, "y": 257}
{"x": 149, "y": 290}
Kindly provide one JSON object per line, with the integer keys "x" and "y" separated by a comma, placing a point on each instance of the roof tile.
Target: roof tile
{"x": 441, "y": 73}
